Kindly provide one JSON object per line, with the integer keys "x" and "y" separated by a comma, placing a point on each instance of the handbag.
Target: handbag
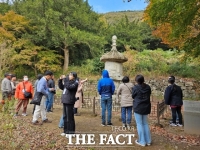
{"x": 37, "y": 98}
{"x": 27, "y": 94}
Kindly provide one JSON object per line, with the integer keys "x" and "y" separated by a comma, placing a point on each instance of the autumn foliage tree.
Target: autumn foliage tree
{"x": 11, "y": 25}
{"x": 17, "y": 50}
{"x": 176, "y": 22}
{"x": 37, "y": 58}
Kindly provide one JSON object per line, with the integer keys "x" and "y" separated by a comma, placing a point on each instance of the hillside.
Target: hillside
{"x": 113, "y": 17}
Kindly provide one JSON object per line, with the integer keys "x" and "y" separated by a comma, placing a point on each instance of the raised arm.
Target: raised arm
{"x": 71, "y": 85}
{"x": 82, "y": 81}
{"x": 60, "y": 84}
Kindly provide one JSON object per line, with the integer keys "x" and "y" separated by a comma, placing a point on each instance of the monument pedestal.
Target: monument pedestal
{"x": 191, "y": 115}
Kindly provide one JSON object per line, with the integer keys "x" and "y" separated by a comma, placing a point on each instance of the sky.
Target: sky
{"x": 103, "y": 6}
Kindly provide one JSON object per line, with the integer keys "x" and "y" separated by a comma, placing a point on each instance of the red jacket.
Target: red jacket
{"x": 19, "y": 94}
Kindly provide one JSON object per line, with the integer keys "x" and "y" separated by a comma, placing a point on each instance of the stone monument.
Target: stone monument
{"x": 113, "y": 62}
{"x": 191, "y": 113}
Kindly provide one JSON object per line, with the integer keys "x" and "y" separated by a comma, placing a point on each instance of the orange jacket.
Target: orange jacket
{"x": 19, "y": 94}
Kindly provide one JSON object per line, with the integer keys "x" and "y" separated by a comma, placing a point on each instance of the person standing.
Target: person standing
{"x": 19, "y": 95}
{"x": 174, "y": 97}
{"x": 61, "y": 81}
{"x": 106, "y": 89}
{"x": 13, "y": 84}
{"x": 68, "y": 99}
{"x": 142, "y": 107}
{"x": 50, "y": 97}
{"x": 125, "y": 89}
{"x": 39, "y": 76}
{"x": 6, "y": 88}
{"x": 42, "y": 88}
{"x": 79, "y": 96}
{"x": 78, "y": 103}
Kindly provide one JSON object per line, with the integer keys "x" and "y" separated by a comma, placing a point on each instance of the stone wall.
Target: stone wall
{"x": 191, "y": 91}
{"x": 191, "y": 88}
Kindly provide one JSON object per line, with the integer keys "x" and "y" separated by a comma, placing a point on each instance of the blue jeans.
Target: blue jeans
{"x": 49, "y": 101}
{"x": 106, "y": 103}
{"x": 127, "y": 110}
{"x": 61, "y": 123}
{"x": 144, "y": 135}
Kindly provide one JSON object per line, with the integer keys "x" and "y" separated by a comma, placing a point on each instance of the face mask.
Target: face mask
{"x": 25, "y": 79}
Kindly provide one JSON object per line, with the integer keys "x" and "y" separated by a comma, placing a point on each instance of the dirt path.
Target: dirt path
{"x": 48, "y": 136}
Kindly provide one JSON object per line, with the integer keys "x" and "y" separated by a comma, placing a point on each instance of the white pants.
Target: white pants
{"x": 40, "y": 109}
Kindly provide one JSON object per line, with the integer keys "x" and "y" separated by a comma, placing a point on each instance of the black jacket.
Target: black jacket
{"x": 51, "y": 84}
{"x": 141, "y": 95}
{"x": 173, "y": 95}
{"x": 69, "y": 90}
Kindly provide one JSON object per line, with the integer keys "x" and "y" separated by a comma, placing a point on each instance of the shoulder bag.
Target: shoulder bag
{"x": 27, "y": 94}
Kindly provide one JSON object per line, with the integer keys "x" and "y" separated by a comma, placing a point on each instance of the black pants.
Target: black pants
{"x": 33, "y": 108}
{"x": 68, "y": 117}
{"x": 178, "y": 111}
{"x": 75, "y": 110}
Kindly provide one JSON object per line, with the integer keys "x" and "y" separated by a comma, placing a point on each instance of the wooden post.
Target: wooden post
{"x": 94, "y": 106}
{"x": 158, "y": 115}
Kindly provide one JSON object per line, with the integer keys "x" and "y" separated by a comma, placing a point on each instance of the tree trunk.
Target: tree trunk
{"x": 35, "y": 71}
{"x": 66, "y": 58}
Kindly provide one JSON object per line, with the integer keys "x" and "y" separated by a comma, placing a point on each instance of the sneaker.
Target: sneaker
{"x": 128, "y": 126}
{"x": 37, "y": 123}
{"x": 173, "y": 124}
{"x": 123, "y": 125}
{"x": 139, "y": 143}
{"x": 47, "y": 121}
{"x": 61, "y": 127}
{"x": 149, "y": 144}
{"x": 103, "y": 124}
{"x": 180, "y": 125}
{"x": 24, "y": 114}
{"x": 109, "y": 124}
{"x": 170, "y": 121}
{"x": 15, "y": 115}
{"x": 63, "y": 134}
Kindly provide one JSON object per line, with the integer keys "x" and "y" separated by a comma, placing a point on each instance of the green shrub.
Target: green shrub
{"x": 184, "y": 70}
{"x": 149, "y": 63}
{"x": 98, "y": 66}
{"x": 152, "y": 61}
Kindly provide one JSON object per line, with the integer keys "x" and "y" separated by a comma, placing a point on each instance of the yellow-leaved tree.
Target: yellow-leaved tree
{"x": 19, "y": 51}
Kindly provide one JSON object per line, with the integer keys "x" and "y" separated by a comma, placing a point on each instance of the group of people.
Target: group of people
{"x": 10, "y": 90}
{"x": 134, "y": 98}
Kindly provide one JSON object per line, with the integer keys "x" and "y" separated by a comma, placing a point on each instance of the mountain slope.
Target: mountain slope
{"x": 114, "y": 17}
